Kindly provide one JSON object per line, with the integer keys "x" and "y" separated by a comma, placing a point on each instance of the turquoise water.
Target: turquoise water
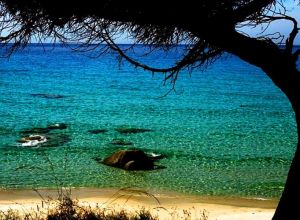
{"x": 226, "y": 131}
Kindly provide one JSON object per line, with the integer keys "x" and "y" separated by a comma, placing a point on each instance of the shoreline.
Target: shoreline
{"x": 160, "y": 203}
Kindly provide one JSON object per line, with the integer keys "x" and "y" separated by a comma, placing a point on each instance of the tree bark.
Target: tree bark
{"x": 283, "y": 72}
{"x": 281, "y": 69}
{"x": 286, "y": 76}
{"x": 289, "y": 206}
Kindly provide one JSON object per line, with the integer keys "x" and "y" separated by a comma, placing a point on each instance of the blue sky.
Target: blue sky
{"x": 283, "y": 27}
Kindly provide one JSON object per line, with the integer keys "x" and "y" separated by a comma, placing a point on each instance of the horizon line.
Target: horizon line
{"x": 138, "y": 44}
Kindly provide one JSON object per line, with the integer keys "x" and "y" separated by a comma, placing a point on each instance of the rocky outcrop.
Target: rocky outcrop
{"x": 32, "y": 140}
{"x": 130, "y": 160}
{"x": 43, "y": 137}
{"x": 97, "y": 131}
{"x": 57, "y": 126}
{"x": 125, "y": 130}
{"x": 35, "y": 131}
{"x": 51, "y": 140}
{"x": 56, "y": 140}
{"x": 47, "y": 96}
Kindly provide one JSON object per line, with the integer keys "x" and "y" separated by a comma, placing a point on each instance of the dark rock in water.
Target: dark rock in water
{"x": 134, "y": 165}
{"x": 59, "y": 126}
{"x": 98, "y": 131}
{"x": 130, "y": 160}
{"x": 124, "y": 130}
{"x": 32, "y": 140}
{"x": 246, "y": 106}
{"x": 51, "y": 140}
{"x": 47, "y": 96}
{"x": 56, "y": 140}
{"x": 121, "y": 142}
{"x": 36, "y": 131}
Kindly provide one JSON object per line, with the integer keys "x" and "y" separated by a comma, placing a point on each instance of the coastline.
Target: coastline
{"x": 163, "y": 204}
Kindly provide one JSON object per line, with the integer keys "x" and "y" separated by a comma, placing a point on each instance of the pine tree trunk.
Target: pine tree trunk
{"x": 283, "y": 72}
{"x": 287, "y": 78}
{"x": 281, "y": 68}
{"x": 289, "y": 205}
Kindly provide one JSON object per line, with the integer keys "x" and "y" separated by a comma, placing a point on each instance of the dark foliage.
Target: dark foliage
{"x": 96, "y": 22}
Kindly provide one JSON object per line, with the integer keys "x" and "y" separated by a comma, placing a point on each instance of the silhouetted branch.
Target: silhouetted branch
{"x": 274, "y": 36}
{"x": 296, "y": 54}
{"x": 253, "y": 7}
{"x": 290, "y": 40}
{"x": 91, "y": 27}
{"x": 275, "y": 12}
{"x": 190, "y": 58}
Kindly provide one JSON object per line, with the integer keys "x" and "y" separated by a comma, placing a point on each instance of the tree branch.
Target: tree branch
{"x": 249, "y": 9}
{"x": 172, "y": 72}
{"x": 290, "y": 40}
{"x": 296, "y": 54}
{"x": 293, "y": 34}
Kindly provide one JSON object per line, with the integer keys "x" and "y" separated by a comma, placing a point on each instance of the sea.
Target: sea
{"x": 222, "y": 130}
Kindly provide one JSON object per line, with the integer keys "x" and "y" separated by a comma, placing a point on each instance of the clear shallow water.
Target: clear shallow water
{"x": 227, "y": 130}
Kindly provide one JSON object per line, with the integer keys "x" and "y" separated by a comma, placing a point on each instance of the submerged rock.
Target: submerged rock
{"x": 121, "y": 142}
{"x": 36, "y": 131}
{"x": 122, "y": 159}
{"x": 51, "y": 140}
{"x": 130, "y": 160}
{"x": 56, "y": 140}
{"x": 58, "y": 126}
{"x": 32, "y": 140}
{"x": 124, "y": 130}
{"x": 47, "y": 96}
{"x": 98, "y": 131}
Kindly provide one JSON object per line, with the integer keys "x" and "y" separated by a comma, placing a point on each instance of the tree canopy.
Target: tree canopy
{"x": 208, "y": 25}
{"x": 162, "y": 23}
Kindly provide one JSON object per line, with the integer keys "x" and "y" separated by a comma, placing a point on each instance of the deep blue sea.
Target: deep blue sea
{"x": 226, "y": 131}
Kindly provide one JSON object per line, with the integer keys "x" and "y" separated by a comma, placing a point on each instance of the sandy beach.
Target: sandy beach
{"x": 164, "y": 205}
